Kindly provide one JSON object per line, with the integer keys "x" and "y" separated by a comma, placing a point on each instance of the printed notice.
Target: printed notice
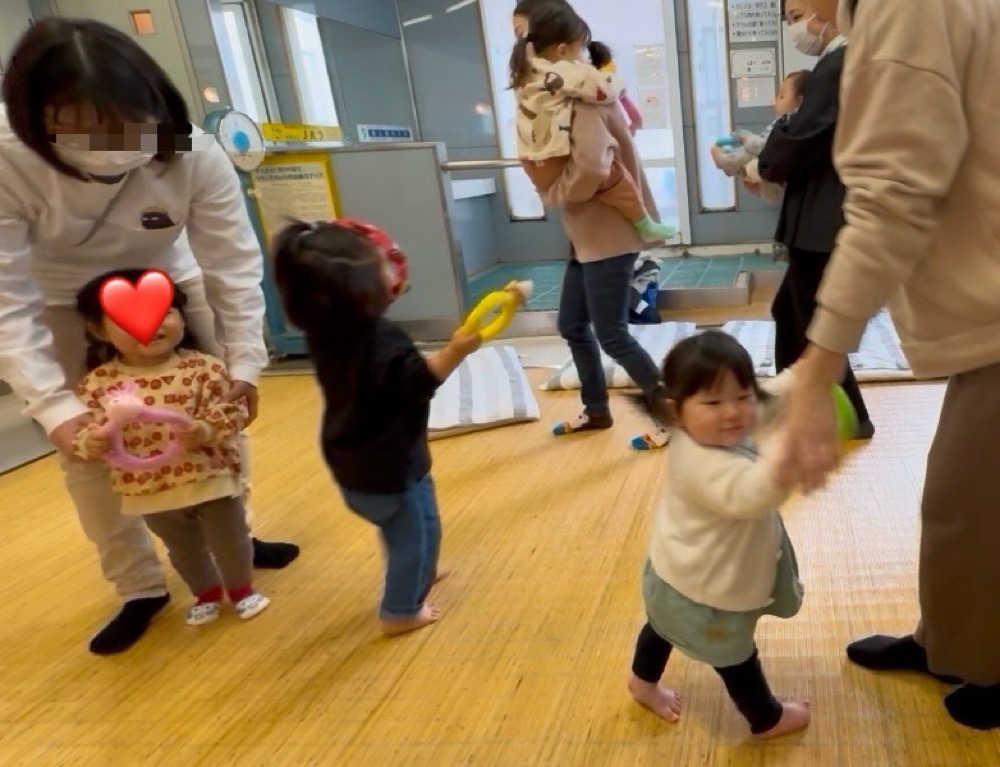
{"x": 754, "y": 92}
{"x": 652, "y": 105}
{"x": 754, "y": 21}
{"x": 301, "y": 190}
{"x": 650, "y": 66}
{"x": 753, "y": 63}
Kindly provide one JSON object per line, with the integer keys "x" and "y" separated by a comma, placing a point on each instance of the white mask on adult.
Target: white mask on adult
{"x": 97, "y": 162}
{"x": 805, "y": 41}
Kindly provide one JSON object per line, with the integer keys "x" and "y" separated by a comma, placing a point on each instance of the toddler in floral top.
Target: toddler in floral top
{"x": 192, "y": 502}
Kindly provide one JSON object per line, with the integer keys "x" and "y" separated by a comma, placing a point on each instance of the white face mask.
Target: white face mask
{"x": 805, "y": 41}
{"x": 104, "y": 162}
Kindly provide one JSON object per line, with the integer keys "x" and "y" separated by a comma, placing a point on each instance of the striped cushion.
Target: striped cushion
{"x": 655, "y": 339}
{"x": 488, "y": 390}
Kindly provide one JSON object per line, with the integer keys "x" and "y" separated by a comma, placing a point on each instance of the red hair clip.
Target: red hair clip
{"x": 387, "y": 246}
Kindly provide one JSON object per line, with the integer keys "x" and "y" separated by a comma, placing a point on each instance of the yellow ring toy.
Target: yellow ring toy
{"x": 507, "y": 301}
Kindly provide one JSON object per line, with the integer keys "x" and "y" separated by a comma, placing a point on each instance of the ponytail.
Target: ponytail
{"x": 520, "y": 64}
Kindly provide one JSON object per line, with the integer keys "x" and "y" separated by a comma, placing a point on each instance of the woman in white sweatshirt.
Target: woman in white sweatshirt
{"x": 100, "y": 169}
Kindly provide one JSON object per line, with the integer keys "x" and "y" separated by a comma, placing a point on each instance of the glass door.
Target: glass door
{"x": 731, "y": 51}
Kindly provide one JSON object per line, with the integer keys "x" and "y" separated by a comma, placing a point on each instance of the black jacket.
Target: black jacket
{"x": 799, "y": 154}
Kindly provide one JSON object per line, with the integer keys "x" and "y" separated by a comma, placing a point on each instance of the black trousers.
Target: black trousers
{"x": 793, "y": 309}
{"x": 745, "y": 683}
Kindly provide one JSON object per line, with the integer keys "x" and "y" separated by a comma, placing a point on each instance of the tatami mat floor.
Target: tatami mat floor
{"x": 527, "y": 666}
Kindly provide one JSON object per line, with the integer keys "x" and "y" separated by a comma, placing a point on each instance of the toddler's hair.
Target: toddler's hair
{"x": 550, "y": 23}
{"x": 88, "y": 304}
{"x": 600, "y": 54}
{"x": 799, "y": 80}
{"x": 697, "y": 363}
{"x": 330, "y": 278}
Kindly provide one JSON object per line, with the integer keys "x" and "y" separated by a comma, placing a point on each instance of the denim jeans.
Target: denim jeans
{"x": 597, "y": 293}
{"x": 411, "y": 531}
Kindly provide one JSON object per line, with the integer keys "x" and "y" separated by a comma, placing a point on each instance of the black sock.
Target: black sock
{"x": 127, "y": 628}
{"x": 748, "y": 687}
{"x": 883, "y": 653}
{"x": 272, "y": 555}
{"x": 976, "y": 707}
{"x": 651, "y": 655}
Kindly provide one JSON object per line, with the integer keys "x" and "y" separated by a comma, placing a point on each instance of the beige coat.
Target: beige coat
{"x": 600, "y": 136}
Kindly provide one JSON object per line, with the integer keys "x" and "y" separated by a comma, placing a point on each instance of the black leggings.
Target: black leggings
{"x": 793, "y": 309}
{"x": 745, "y": 683}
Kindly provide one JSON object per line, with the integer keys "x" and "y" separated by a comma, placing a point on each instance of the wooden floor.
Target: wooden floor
{"x": 529, "y": 663}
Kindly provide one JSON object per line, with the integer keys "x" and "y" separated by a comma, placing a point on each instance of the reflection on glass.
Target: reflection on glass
{"x": 242, "y": 75}
{"x": 712, "y": 111}
{"x": 309, "y": 63}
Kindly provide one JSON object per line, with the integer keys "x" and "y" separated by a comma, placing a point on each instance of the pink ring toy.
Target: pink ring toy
{"x": 124, "y": 407}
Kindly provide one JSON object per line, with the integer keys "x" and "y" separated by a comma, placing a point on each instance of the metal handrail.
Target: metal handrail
{"x": 497, "y": 164}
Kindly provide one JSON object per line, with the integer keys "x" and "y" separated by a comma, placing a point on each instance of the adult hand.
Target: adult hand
{"x": 248, "y": 393}
{"x": 809, "y": 448}
{"x": 63, "y": 437}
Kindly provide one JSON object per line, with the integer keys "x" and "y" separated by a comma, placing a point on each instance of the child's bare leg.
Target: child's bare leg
{"x": 428, "y": 614}
{"x": 651, "y": 655}
{"x": 749, "y": 690}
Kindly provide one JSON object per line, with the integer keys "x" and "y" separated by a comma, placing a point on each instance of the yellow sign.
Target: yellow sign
{"x": 300, "y": 132}
{"x": 294, "y": 186}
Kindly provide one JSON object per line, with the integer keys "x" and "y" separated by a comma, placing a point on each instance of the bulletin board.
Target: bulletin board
{"x": 294, "y": 185}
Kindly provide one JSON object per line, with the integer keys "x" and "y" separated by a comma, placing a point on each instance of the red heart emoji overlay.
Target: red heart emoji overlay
{"x": 138, "y": 309}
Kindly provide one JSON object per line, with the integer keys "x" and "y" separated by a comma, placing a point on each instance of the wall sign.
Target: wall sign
{"x": 752, "y": 63}
{"x": 754, "y": 21}
{"x": 375, "y": 134}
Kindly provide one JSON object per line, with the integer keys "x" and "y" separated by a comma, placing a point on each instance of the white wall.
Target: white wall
{"x": 168, "y": 46}
{"x": 16, "y": 17}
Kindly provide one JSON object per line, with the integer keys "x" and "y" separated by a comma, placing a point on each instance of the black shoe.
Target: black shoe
{"x": 127, "y": 628}
{"x": 273, "y": 556}
{"x": 976, "y": 707}
{"x": 883, "y": 653}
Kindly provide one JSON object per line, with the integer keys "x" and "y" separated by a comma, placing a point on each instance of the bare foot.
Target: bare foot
{"x": 795, "y": 716}
{"x": 665, "y": 703}
{"x": 428, "y": 614}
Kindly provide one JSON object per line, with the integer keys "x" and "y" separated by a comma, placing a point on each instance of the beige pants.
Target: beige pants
{"x": 960, "y": 536}
{"x": 128, "y": 558}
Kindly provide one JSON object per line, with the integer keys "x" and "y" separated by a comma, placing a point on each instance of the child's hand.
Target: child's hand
{"x": 465, "y": 343}
{"x": 196, "y": 435}
{"x": 96, "y": 443}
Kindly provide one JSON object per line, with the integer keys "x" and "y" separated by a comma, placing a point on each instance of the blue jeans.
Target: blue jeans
{"x": 597, "y": 293}
{"x": 411, "y": 531}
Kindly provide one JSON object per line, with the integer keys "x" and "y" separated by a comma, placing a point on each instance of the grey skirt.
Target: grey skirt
{"x": 720, "y": 638}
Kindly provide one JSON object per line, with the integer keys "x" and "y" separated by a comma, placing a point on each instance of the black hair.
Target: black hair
{"x": 800, "y": 80}
{"x": 550, "y": 23}
{"x": 330, "y": 279}
{"x": 88, "y": 304}
{"x": 527, "y": 7}
{"x": 600, "y": 54}
{"x": 62, "y": 62}
{"x": 697, "y": 363}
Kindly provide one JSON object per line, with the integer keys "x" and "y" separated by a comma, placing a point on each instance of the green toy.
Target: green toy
{"x": 847, "y": 417}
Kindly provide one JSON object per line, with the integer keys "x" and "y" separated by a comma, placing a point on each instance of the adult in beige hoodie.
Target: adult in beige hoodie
{"x": 917, "y": 149}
